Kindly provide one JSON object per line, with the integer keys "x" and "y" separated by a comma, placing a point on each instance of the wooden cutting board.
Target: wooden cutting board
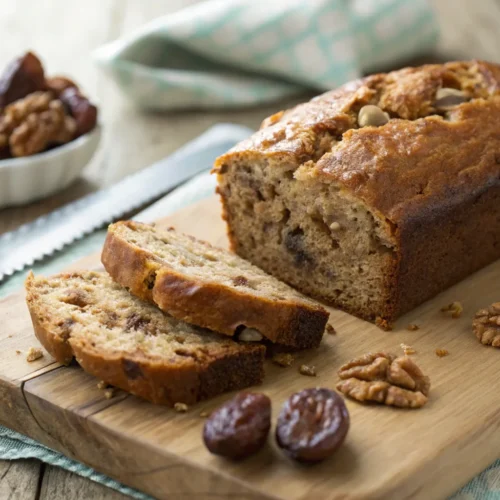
{"x": 389, "y": 453}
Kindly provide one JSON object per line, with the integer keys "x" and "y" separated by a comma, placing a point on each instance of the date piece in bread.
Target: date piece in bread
{"x": 209, "y": 287}
{"x": 132, "y": 345}
{"x": 375, "y": 196}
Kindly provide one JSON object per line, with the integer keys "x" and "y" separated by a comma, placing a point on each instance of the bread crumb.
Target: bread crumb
{"x": 455, "y": 308}
{"x": 181, "y": 407}
{"x": 10, "y": 336}
{"x": 442, "y": 352}
{"x": 18, "y": 351}
{"x": 412, "y": 327}
{"x": 408, "y": 349}
{"x": 330, "y": 330}
{"x": 204, "y": 414}
{"x": 102, "y": 385}
{"x": 34, "y": 353}
{"x": 283, "y": 359}
{"x": 308, "y": 370}
{"x": 109, "y": 393}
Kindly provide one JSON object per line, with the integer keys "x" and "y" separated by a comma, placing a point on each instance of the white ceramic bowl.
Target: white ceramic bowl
{"x": 33, "y": 177}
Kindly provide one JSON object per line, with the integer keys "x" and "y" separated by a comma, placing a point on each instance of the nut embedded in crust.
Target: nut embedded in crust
{"x": 384, "y": 378}
{"x": 486, "y": 325}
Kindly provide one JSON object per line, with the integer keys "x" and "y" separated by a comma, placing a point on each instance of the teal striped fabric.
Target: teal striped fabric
{"x": 245, "y": 52}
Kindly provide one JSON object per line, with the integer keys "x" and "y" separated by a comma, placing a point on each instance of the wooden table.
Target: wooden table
{"x": 64, "y": 33}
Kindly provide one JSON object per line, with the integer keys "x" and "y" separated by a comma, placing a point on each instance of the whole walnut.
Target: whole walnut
{"x": 32, "y": 124}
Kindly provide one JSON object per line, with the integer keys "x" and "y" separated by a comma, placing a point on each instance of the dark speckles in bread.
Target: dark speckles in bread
{"x": 378, "y": 219}
{"x": 132, "y": 345}
{"x": 208, "y": 286}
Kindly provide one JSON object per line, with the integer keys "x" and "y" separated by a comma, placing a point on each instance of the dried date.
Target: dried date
{"x": 240, "y": 427}
{"x": 22, "y": 76}
{"x": 80, "y": 108}
{"x": 312, "y": 424}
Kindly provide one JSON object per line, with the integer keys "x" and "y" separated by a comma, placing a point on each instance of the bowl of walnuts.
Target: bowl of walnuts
{"x": 48, "y": 132}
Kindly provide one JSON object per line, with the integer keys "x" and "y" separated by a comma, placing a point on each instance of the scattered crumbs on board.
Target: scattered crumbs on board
{"x": 283, "y": 359}
{"x": 33, "y": 354}
{"x": 308, "y": 370}
{"x": 442, "y": 353}
{"x": 408, "y": 349}
{"x": 455, "y": 309}
{"x": 181, "y": 407}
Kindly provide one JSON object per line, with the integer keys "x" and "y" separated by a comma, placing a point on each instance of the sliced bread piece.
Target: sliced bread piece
{"x": 132, "y": 345}
{"x": 210, "y": 287}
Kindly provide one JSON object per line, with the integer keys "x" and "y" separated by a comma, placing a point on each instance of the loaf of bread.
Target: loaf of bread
{"x": 375, "y": 196}
{"x": 210, "y": 287}
{"x": 132, "y": 345}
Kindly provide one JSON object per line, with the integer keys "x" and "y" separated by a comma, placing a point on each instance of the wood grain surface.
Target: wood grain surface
{"x": 389, "y": 453}
{"x": 132, "y": 139}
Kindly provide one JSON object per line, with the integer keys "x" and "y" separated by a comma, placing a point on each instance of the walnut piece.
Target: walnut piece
{"x": 330, "y": 330}
{"x": 486, "y": 325}
{"x": 384, "y": 378}
{"x": 283, "y": 359}
{"x": 408, "y": 349}
{"x": 181, "y": 407}
{"x": 442, "y": 353}
{"x": 34, "y": 353}
{"x": 455, "y": 308}
{"x": 308, "y": 370}
{"x": 109, "y": 393}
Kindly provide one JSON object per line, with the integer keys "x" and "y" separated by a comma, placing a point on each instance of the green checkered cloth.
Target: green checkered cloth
{"x": 224, "y": 53}
{"x": 13, "y": 446}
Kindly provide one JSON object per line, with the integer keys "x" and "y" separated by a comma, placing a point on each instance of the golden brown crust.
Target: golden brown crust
{"x": 164, "y": 384}
{"x": 158, "y": 381}
{"x": 211, "y": 305}
{"x": 433, "y": 176}
{"x": 393, "y": 167}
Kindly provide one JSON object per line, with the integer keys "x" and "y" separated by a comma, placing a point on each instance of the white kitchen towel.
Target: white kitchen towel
{"x": 223, "y": 53}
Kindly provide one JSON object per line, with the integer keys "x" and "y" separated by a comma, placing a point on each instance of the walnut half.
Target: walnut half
{"x": 486, "y": 325}
{"x": 32, "y": 124}
{"x": 384, "y": 378}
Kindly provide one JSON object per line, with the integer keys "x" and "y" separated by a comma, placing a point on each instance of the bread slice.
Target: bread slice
{"x": 208, "y": 286}
{"x": 132, "y": 345}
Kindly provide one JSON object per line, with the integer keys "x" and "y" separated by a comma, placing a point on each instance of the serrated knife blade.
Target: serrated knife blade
{"x": 49, "y": 233}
